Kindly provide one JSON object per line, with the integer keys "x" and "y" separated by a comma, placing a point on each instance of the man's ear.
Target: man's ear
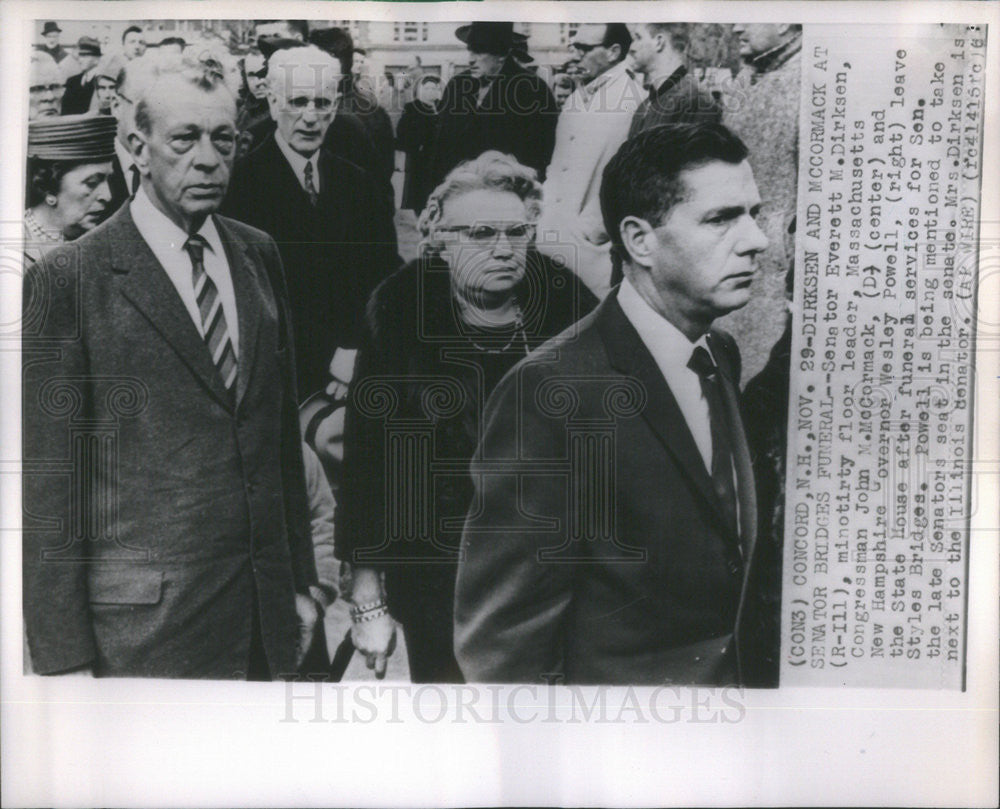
{"x": 784, "y": 28}
{"x": 639, "y": 240}
{"x": 661, "y": 41}
{"x": 140, "y": 150}
{"x": 272, "y": 103}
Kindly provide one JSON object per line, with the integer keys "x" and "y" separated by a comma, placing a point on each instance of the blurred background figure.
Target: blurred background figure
{"x": 69, "y": 162}
{"x": 133, "y": 43}
{"x": 562, "y": 87}
{"x": 593, "y": 123}
{"x": 80, "y": 87}
{"x": 358, "y": 99}
{"x": 415, "y": 138}
{"x": 253, "y": 120}
{"x": 174, "y": 45}
{"x": 495, "y": 104}
{"x": 440, "y": 333}
{"x": 675, "y": 97}
{"x": 46, "y": 87}
{"x": 281, "y": 29}
{"x": 105, "y": 87}
{"x": 51, "y": 34}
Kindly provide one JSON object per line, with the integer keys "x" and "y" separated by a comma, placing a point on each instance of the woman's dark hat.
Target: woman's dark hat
{"x": 51, "y": 27}
{"x": 490, "y": 37}
{"x": 80, "y": 138}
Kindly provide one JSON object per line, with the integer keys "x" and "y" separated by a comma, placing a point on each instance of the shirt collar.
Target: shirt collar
{"x": 609, "y": 75}
{"x": 668, "y": 345}
{"x": 157, "y": 229}
{"x": 668, "y": 83}
{"x": 297, "y": 161}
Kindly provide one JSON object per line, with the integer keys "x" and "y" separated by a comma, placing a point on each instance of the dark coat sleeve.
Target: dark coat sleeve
{"x": 386, "y": 341}
{"x": 510, "y": 607}
{"x": 292, "y": 467}
{"x": 56, "y": 601}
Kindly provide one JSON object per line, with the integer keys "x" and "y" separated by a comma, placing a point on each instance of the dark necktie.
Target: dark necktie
{"x": 307, "y": 176}
{"x": 136, "y": 178}
{"x": 722, "y": 456}
{"x": 213, "y": 319}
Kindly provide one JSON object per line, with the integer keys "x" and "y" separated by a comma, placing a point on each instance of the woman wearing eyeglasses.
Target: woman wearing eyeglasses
{"x": 440, "y": 333}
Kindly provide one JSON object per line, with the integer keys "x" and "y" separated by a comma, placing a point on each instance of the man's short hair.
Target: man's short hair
{"x": 617, "y": 33}
{"x": 300, "y": 27}
{"x": 643, "y": 179}
{"x": 132, "y": 29}
{"x": 309, "y": 58}
{"x": 678, "y": 32}
{"x": 142, "y": 77}
{"x": 173, "y": 41}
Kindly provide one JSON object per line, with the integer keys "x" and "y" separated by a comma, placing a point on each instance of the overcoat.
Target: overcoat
{"x": 334, "y": 252}
{"x": 516, "y": 116}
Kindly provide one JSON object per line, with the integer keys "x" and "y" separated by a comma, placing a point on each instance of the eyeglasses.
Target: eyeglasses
{"x": 47, "y": 88}
{"x": 487, "y": 234}
{"x": 584, "y": 47}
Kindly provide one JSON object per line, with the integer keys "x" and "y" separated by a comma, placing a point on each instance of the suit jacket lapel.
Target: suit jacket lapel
{"x": 246, "y": 285}
{"x": 147, "y": 287}
{"x": 629, "y": 354}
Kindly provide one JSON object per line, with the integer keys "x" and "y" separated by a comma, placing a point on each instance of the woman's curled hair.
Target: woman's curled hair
{"x": 491, "y": 171}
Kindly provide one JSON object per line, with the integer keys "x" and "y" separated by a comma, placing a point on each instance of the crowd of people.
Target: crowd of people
{"x": 308, "y": 416}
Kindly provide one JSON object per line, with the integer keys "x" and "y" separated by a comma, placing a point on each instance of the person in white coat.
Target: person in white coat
{"x": 593, "y": 123}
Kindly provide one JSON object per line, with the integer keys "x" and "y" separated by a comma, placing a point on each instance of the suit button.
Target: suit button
{"x": 734, "y": 567}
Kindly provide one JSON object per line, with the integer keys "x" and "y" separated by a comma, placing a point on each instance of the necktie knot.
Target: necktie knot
{"x": 701, "y": 363}
{"x": 195, "y": 246}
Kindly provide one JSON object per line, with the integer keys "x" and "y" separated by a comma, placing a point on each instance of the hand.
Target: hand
{"x": 376, "y": 640}
{"x": 309, "y": 613}
{"x": 342, "y": 371}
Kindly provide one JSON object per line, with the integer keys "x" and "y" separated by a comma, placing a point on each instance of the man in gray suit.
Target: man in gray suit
{"x": 166, "y": 529}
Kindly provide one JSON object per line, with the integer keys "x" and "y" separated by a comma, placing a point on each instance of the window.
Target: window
{"x": 410, "y": 32}
{"x": 566, "y": 31}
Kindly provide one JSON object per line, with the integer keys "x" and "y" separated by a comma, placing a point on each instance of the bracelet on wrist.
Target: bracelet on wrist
{"x": 369, "y": 615}
{"x": 367, "y": 606}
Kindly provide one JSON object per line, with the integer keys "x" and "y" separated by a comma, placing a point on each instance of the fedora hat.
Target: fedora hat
{"x": 490, "y": 37}
{"x": 51, "y": 28}
{"x": 88, "y": 46}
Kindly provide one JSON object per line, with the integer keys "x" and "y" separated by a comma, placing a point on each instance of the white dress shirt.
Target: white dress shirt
{"x": 672, "y": 351}
{"x": 166, "y": 240}
{"x": 298, "y": 162}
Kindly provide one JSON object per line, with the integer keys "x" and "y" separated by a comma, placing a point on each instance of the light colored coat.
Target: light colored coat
{"x": 592, "y": 125}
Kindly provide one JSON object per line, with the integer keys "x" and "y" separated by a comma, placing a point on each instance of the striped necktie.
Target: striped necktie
{"x": 213, "y": 319}
{"x": 310, "y": 186}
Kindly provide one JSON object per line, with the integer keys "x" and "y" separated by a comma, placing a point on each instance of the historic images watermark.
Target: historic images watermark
{"x": 319, "y": 702}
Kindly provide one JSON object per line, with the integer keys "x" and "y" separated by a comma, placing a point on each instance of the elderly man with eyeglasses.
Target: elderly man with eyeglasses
{"x": 336, "y": 237}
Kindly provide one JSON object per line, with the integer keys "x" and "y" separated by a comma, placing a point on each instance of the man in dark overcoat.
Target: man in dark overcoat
{"x": 496, "y": 104}
{"x": 330, "y": 219}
